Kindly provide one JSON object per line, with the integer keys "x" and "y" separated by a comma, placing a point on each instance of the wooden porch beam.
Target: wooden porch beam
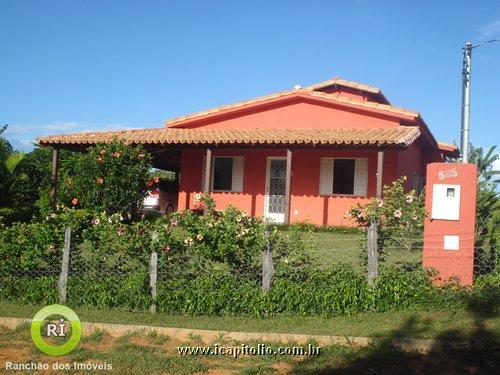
{"x": 288, "y": 184}
{"x": 208, "y": 169}
{"x": 380, "y": 172}
{"x": 53, "y": 179}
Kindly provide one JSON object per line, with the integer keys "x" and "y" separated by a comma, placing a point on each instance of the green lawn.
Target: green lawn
{"x": 417, "y": 323}
{"x": 345, "y": 248}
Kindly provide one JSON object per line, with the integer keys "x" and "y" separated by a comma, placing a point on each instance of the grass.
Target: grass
{"x": 429, "y": 324}
{"x": 135, "y": 353}
{"x": 329, "y": 247}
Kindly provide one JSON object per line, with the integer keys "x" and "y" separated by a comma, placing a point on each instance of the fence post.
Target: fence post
{"x": 153, "y": 277}
{"x": 372, "y": 247}
{"x": 63, "y": 278}
{"x": 267, "y": 264}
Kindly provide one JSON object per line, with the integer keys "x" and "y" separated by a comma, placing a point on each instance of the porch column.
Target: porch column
{"x": 53, "y": 179}
{"x": 208, "y": 169}
{"x": 288, "y": 183}
{"x": 380, "y": 172}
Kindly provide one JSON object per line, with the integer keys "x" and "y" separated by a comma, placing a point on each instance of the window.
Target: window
{"x": 226, "y": 173}
{"x": 223, "y": 173}
{"x": 343, "y": 176}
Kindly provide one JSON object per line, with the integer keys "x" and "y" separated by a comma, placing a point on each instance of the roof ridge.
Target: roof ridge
{"x": 344, "y": 82}
{"x": 304, "y": 90}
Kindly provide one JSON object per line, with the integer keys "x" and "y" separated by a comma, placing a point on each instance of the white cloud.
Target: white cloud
{"x": 491, "y": 29}
{"x": 496, "y": 165}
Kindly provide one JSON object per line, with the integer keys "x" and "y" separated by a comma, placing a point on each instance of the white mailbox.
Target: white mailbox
{"x": 445, "y": 202}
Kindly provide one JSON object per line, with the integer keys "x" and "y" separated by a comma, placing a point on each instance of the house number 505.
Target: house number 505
{"x": 447, "y": 174}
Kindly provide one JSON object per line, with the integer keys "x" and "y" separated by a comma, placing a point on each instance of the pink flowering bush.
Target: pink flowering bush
{"x": 229, "y": 236}
{"x": 400, "y": 216}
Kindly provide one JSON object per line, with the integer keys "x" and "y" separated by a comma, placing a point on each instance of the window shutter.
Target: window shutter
{"x": 326, "y": 176}
{"x": 203, "y": 165}
{"x": 238, "y": 168}
{"x": 360, "y": 177}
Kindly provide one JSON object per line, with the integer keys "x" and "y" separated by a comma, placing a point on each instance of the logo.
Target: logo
{"x": 56, "y": 329}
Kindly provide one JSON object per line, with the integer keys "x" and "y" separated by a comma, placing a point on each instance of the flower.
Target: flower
{"x": 188, "y": 241}
{"x": 100, "y": 181}
{"x": 96, "y": 221}
{"x": 398, "y": 214}
{"x": 74, "y": 201}
{"x": 409, "y": 198}
{"x": 380, "y": 203}
{"x": 141, "y": 155}
{"x": 116, "y": 154}
{"x": 166, "y": 249}
{"x": 210, "y": 225}
{"x": 53, "y": 216}
{"x": 414, "y": 217}
{"x": 102, "y": 152}
{"x": 197, "y": 197}
{"x": 174, "y": 222}
{"x": 238, "y": 219}
{"x": 199, "y": 236}
{"x": 100, "y": 160}
{"x": 149, "y": 183}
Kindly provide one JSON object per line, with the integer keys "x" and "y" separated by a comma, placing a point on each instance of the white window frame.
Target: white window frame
{"x": 212, "y": 174}
{"x": 333, "y": 181}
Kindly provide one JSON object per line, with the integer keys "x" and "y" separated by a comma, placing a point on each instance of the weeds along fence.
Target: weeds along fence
{"x": 292, "y": 284}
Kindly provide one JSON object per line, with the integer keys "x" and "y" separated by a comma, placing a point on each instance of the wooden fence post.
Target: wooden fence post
{"x": 372, "y": 247}
{"x": 267, "y": 264}
{"x": 153, "y": 277}
{"x": 63, "y": 278}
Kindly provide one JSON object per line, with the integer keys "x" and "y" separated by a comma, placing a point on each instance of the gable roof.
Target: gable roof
{"x": 304, "y": 93}
{"x": 395, "y": 138}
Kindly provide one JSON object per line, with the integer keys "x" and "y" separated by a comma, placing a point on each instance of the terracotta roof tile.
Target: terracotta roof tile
{"x": 401, "y": 136}
{"x": 345, "y": 83}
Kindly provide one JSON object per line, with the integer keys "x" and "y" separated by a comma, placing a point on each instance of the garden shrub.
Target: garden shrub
{"x": 109, "y": 268}
{"x": 229, "y": 236}
{"x": 111, "y": 178}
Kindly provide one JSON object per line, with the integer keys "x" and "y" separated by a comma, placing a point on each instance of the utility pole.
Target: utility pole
{"x": 466, "y": 77}
{"x": 465, "y": 128}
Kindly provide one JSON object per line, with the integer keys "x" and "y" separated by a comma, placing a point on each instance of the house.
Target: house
{"x": 303, "y": 155}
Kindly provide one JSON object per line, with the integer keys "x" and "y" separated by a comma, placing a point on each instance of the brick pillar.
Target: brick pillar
{"x": 451, "y": 217}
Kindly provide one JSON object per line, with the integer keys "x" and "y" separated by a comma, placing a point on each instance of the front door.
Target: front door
{"x": 275, "y": 190}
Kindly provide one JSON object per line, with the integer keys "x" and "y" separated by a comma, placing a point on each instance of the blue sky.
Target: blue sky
{"x": 95, "y": 65}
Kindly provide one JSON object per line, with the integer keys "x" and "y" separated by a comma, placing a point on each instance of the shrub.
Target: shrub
{"x": 229, "y": 236}
{"x": 400, "y": 217}
{"x": 111, "y": 178}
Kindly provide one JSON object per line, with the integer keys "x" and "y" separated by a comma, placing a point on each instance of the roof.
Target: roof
{"x": 449, "y": 149}
{"x": 306, "y": 93}
{"x": 397, "y": 137}
{"x": 342, "y": 82}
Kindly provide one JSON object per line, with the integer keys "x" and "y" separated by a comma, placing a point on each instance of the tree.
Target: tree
{"x": 10, "y": 176}
{"x": 109, "y": 178}
{"x": 487, "y": 231}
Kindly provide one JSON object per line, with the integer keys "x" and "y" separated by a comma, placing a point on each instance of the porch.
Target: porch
{"x": 284, "y": 174}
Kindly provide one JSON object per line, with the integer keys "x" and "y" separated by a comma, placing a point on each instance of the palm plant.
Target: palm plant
{"x": 487, "y": 233}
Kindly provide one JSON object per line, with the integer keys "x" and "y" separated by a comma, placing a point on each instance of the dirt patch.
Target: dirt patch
{"x": 15, "y": 353}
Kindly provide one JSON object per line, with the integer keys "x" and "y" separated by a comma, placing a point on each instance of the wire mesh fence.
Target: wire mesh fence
{"x": 95, "y": 278}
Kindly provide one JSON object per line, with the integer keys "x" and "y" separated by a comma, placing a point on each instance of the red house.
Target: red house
{"x": 302, "y": 155}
